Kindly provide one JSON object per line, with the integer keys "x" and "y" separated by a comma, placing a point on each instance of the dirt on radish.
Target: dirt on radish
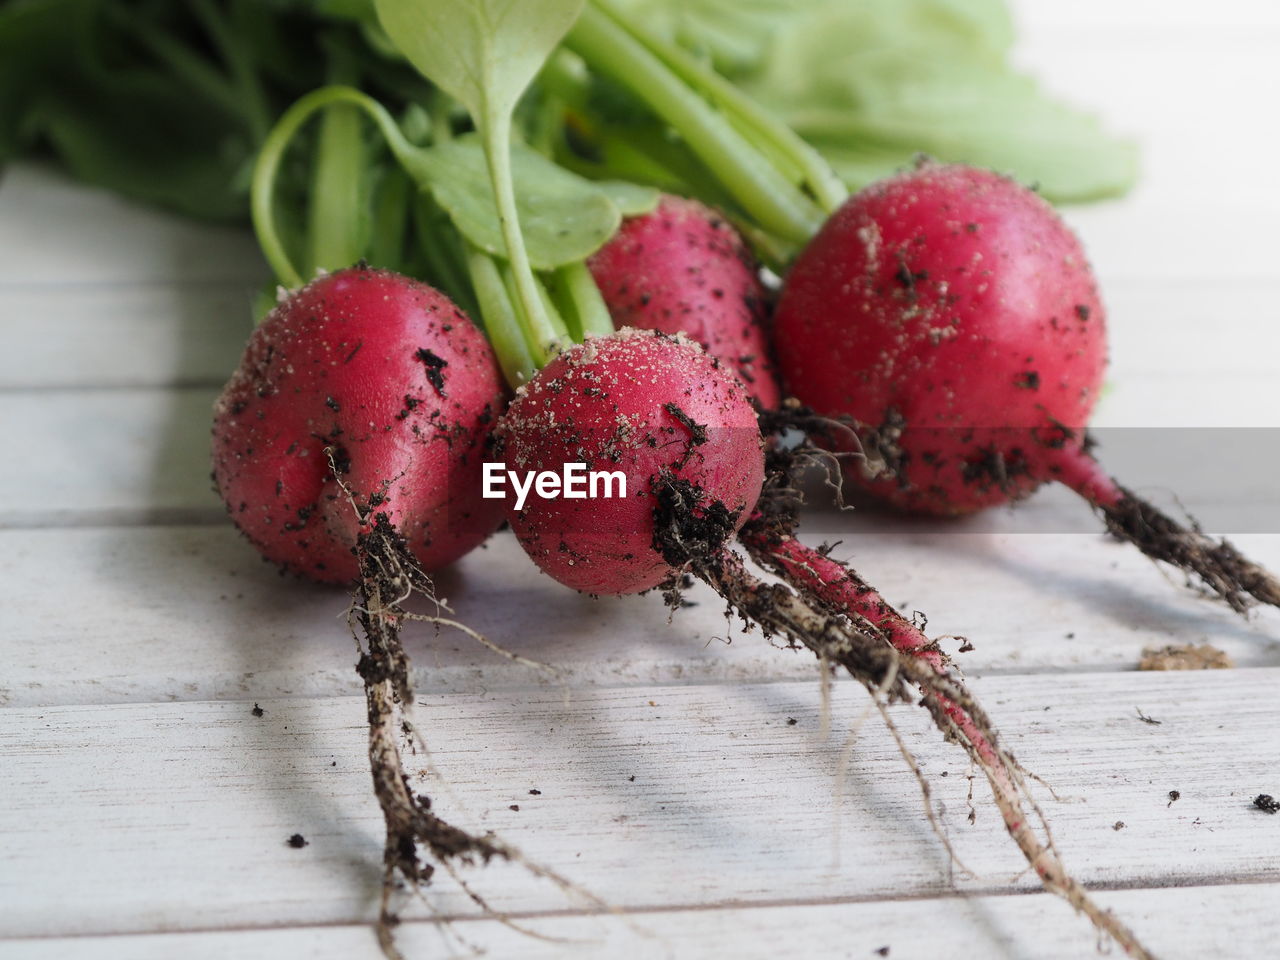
{"x": 951, "y": 318}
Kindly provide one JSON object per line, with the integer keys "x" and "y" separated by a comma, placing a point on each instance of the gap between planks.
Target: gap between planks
{"x": 189, "y": 613}
{"x": 728, "y": 796}
{"x": 994, "y": 927}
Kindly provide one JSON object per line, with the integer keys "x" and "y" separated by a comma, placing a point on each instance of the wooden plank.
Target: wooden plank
{"x": 108, "y": 456}
{"x": 151, "y": 335}
{"x": 104, "y": 615}
{"x": 58, "y": 233}
{"x": 1239, "y": 921}
{"x": 663, "y": 797}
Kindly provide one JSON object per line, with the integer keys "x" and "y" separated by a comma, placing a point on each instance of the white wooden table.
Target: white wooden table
{"x": 144, "y": 808}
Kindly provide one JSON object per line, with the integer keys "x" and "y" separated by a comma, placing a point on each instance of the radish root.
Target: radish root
{"x": 825, "y": 607}
{"x": 1220, "y": 566}
{"x": 389, "y": 576}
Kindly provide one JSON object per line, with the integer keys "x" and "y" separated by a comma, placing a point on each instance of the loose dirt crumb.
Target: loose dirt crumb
{"x": 298, "y": 841}
{"x": 1266, "y": 803}
{"x": 1185, "y": 656}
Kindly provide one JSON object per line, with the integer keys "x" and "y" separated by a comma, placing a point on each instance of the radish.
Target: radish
{"x": 691, "y": 484}
{"x": 953, "y": 318}
{"x": 393, "y": 379}
{"x": 663, "y": 413}
{"x": 679, "y": 431}
{"x": 785, "y": 189}
{"x": 684, "y": 269}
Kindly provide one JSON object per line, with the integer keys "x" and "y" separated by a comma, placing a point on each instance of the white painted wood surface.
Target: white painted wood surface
{"x": 144, "y": 808}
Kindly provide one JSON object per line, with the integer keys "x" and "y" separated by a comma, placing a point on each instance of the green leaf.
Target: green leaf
{"x": 873, "y": 83}
{"x": 483, "y": 53}
{"x": 125, "y": 150}
{"x": 33, "y": 38}
{"x": 733, "y": 34}
{"x": 1002, "y": 122}
{"x": 565, "y": 218}
{"x": 631, "y": 199}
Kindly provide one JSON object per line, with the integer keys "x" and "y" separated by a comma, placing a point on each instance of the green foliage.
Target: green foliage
{"x": 874, "y": 82}
{"x": 565, "y": 218}
{"x": 483, "y": 53}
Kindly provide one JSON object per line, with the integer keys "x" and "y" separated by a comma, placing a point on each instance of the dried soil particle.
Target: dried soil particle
{"x": 435, "y": 368}
{"x": 1145, "y": 719}
{"x": 686, "y": 527}
{"x": 697, "y": 431}
{"x": 1185, "y": 656}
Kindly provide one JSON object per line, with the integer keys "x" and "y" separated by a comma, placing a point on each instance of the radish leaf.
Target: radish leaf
{"x": 564, "y": 218}
{"x": 484, "y": 53}
{"x": 873, "y": 84}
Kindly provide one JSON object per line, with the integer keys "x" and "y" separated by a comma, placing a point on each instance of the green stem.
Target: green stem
{"x": 500, "y": 320}
{"x": 241, "y": 67}
{"x": 773, "y": 200}
{"x": 392, "y": 199}
{"x": 262, "y": 194}
{"x": 751, "y": 118}
{"x": 336, "y": 215}
{"x": 588, "y": 304}
{"x": 529, "y": 300}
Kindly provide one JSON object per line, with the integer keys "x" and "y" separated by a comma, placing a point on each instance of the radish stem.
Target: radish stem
{"x": 771, "y": 198}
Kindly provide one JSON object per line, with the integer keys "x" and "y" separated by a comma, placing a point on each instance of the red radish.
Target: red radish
{"x": 658, "y": 409}
{"x": 684, "y": 269}
{"x": 953, "y": 317}
{"x": 954, "y": 710}
{"x": 403, "y": 389}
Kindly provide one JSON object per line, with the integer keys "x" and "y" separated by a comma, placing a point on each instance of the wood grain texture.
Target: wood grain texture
{"x": 1245, "y": 922}
{"x": 190, "y": 613}
{"x": 178, "y": 813}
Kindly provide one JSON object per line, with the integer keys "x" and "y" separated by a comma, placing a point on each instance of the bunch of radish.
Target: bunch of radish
{"x": 943, "y": 324}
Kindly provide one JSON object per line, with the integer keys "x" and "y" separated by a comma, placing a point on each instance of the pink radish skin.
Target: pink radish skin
{"x": 955, "y": 304}
{"x": 611, "y": 403}
{"x": 684, "y": 269}
{"x": 391, "y": 375}
{"x": 954, "y": 318}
